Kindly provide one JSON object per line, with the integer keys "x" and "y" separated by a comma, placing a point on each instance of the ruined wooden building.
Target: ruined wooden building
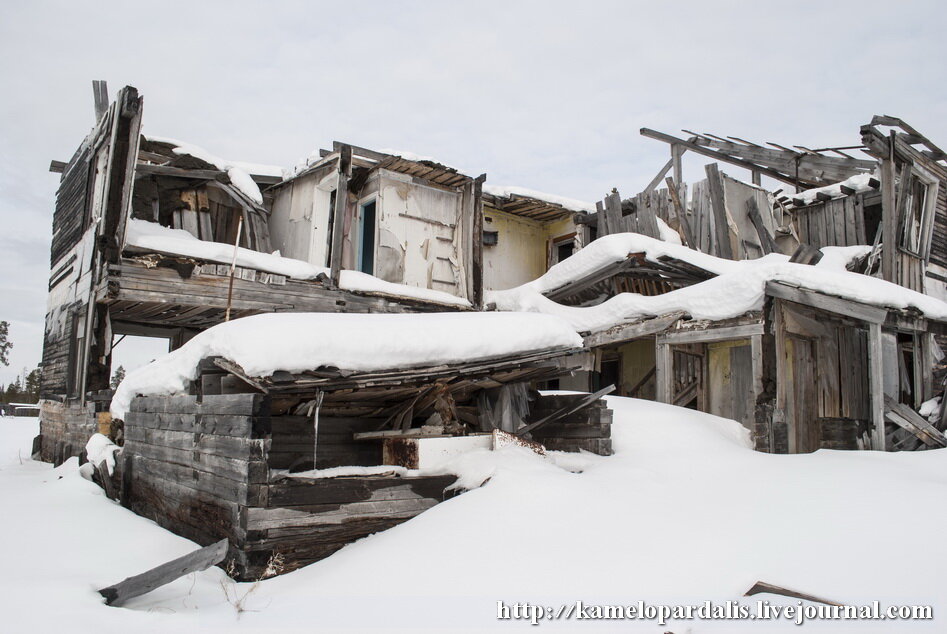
{"x": 153, "y": 237}
{"x": 802, "y": 309}
{"x": 813, "y": 368}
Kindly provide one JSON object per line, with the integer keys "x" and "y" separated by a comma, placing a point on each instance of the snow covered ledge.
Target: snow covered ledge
{"x": 296, "y": 342}
{"x": 150, "y": 237}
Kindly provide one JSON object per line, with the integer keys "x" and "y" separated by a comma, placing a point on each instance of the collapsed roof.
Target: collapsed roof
{"x": 322, "y": 348}
{"x": 732, "y": 287}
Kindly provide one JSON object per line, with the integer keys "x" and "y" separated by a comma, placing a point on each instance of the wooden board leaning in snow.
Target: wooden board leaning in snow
{"x": 165, "y": 573}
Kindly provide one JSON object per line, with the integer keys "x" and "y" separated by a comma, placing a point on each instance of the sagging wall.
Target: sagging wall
{"x": 822, "y": 377}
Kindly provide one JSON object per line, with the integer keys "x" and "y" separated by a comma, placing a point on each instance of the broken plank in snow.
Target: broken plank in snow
{"x": 165, "y": 573}
{"x": 565, "y": 411}
{"x": 906, "y": 418}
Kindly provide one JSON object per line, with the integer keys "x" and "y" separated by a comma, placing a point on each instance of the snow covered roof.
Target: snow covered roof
{"x": 854, "y": 185}
{"x": 400, "y": 161}
{"x": 738, "y": 288}
{"x": 240, "y": 172}
{"x": 512, "y": 192}
{"x": 296, "y": 342}
{"x": 151, "y": 237}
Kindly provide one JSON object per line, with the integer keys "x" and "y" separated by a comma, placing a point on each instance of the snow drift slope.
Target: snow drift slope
{"x": 684, "y": 512}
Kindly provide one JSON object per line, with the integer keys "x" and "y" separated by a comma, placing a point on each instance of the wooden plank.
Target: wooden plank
{"x": 339, "y": 212}
{"x": 602, "y": 219}
{"x": 237, "y": 371}
{"x": 699, "y": 149}
{"x": 889, "y": 231}
{"x": 659, "y": 176}
{"x": 677, "y": 154}
{"x": 476, "y": 273}
{"x": 613, "y": 213}
{"x": 718, "y": 206}
{"x": 710, "y": 334}
{"x": 911, "y": 421}
{"x": 876, "y": 385}
{"x": 565, "y": 411}
{"x": 663, "y": 372}
{"x": 164, "y": 574}
{"x": 681, "y": 213}
{"x": 767, "y": 243}
{"x": 102, "y": 471}
{"x": 636, "y": 330}
{"x": 147, "y": 169}
{"x": 100, "y": 95}
{"x": 830, "y": 303}
{"x": 646, "y": 216}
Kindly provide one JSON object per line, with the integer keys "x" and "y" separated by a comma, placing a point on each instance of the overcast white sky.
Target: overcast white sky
{"x": 548, "y": 95}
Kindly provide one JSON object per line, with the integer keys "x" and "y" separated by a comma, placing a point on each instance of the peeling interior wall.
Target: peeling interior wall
{"x": 562, "y": 228}
{"x": 519, "y": 256}
{"x": 299, "y": 218}
{"x": 523, "y": 250}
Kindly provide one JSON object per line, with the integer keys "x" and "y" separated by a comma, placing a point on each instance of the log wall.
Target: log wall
{"x": 202, "y": 470}
{"x": 589, "y": 429}
{"x": 64, "y": 429}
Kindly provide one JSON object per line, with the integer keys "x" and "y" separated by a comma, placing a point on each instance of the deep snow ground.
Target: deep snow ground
{"x": 684, "y": 512}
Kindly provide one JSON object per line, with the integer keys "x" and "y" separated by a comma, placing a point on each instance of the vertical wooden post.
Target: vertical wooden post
{"x": 100, "y": 93}
{"x": 923, "y": 364}
{"x": 889, "y": 216}
{"x": 338, "y": 214}
{"x": 676, "y": 153}
{"x": 663, "y": 371}
{"x": 876, "y": 387}
{"x": 756, "y": 354}
{"x": 476, "y": 298}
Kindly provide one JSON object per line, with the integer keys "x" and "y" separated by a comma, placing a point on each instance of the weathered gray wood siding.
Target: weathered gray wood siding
{"x": 201, "y": 470}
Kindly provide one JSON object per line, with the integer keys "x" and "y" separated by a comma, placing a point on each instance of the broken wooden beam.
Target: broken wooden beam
{"x": 565, "y": 411}
{"x": 767, "y": 243}
{"x": 237, "y": 371}
{"x": 763, "y": 587}
{"x": 909, "y": 420}
{"x": 165, "y": 573}
{"x": 631, "y": 331}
